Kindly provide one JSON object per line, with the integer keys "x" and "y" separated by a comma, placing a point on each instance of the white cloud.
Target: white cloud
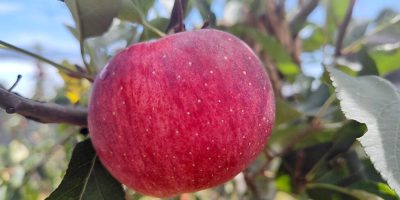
{"x": 10, "y": 7}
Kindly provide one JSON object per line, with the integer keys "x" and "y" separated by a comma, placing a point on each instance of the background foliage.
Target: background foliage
{"x": 313, "y": 152}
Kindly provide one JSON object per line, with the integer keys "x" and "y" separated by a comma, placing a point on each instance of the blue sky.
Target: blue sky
{"x": 30, "y": 23}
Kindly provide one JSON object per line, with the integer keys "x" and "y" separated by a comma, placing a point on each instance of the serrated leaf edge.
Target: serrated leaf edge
{"x": 391, "y": 182}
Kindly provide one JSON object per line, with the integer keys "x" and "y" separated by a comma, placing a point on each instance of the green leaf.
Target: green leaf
{"x": 343, "y": 139}
{"x": 93, "y": 17}
{"x": 367, "y": 62}
{"x": 316, "y": 40}
{"x": 86, "y": 178}
{"x": 315, "y": 100}
{"x": 380, "y": 189}
{"x": 329, "y": 191}
{"x": 128, "y": 11}
{"x": 283, "y": 183}
{"x": 285, "y": 112}
{"x": 160, "y": 23}
{"x": 375, "y": 102}
{"x": 386, "y": 61}
{"x": 288, "y": 68}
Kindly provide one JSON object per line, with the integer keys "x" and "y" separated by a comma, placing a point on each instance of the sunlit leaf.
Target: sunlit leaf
{"x": 315, "y": 40}
{"x": 283, "y": 183}
{"x": 86, "y": 178}
{"x": 386, "y": 61}
{"x": 380, "y": 189}
{"x": 375, "y": 102}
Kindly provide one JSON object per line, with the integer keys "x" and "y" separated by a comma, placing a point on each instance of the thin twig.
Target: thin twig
{"x": 41, "y": 111}
{"x": 343, "y": 28}
{"x": 298, "y": 20}
{"x": 16, "y": 82}
{"x": 82, "y": 51}
{"x": 56, "y": 65}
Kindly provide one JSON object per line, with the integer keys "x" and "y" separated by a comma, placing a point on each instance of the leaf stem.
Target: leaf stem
{"x": 145, "y": 23}
{"x": 43, "y": 59}
{"x": 331, "y": 187}
{"x": 343, "y": 28}
{"x": 321, "y": 112}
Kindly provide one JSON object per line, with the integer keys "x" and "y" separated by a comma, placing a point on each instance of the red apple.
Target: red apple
{"x": 183, "y": 113}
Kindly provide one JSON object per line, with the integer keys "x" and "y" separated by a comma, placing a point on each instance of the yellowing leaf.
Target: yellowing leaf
{"x": 75, "y": 88}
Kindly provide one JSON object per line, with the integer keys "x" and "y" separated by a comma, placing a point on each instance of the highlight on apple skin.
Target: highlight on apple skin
{"x": 180, "y": 114}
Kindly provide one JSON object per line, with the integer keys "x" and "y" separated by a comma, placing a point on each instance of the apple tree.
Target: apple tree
{"x": 255, "y": 100}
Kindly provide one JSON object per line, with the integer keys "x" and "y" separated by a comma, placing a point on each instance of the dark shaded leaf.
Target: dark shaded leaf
{"x": 315, "y": 100}
{"x": 368, "y": 64}
{"x": 86, "y": 178}
{"x": 394, "y": 77}
{"x": 159, "y": 23}
{"x": 342, "y": 141}
{"x": 285, "y": 112}
{"x": 329, "y": 191}
{"x": 93, "y": 17}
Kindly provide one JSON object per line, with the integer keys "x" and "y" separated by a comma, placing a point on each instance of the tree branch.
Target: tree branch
{"x": 299, "y": 19}
{"x": 343, "y": 28}
{"x": 277, "y": 23}
{"x": 41, "y": 111}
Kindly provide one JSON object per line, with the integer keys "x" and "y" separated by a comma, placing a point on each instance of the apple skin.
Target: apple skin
{"x": 180, "y": 114}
